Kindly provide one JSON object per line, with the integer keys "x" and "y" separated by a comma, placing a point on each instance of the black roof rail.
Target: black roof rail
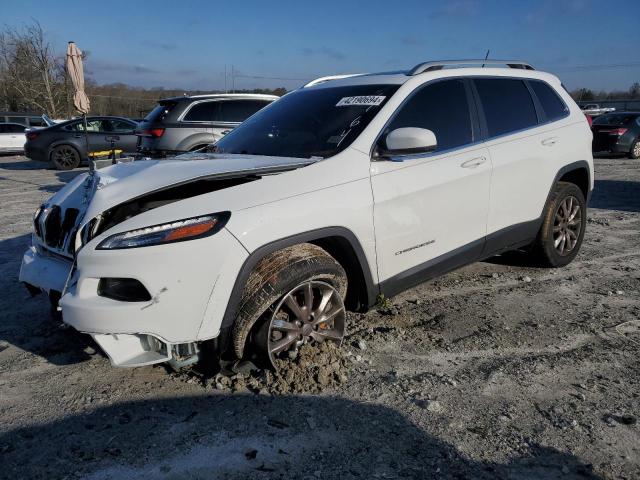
{"x": 440, "y": 64}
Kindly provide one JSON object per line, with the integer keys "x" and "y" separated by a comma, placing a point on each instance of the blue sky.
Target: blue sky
{"x": 187, "y": 44}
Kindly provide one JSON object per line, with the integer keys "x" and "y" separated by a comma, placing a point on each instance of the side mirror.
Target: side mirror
{"x": 407, "y": 141}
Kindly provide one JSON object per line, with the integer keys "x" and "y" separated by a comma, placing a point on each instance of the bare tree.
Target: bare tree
{"x": 31, "y": 72}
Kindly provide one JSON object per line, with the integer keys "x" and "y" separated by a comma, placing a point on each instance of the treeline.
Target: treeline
{"x": 588, "y": 95}
{"x": 33, "y": 79}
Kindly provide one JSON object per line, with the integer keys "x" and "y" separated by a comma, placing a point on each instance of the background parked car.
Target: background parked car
{"x": 11, "y": 137}
{"x": 184, "y": 124}
{"x": 64, "y": 144}
{"x": 617, "y": 133}
{"x": 594, "y": 109}
{"x": 25, "y": 119}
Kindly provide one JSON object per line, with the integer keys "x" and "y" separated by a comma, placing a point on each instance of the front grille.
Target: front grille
{"x": 57, "y": 229}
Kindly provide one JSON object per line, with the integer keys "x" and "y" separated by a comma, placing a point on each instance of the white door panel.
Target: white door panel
{"x": 424, "y": 208}
{"x": 524, "y": 167}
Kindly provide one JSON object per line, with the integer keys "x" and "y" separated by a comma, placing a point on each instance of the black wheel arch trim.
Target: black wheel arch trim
{"x": 312, "y": 236}
{"x": 570, "y": 167}
{"x": 195, "y": 139}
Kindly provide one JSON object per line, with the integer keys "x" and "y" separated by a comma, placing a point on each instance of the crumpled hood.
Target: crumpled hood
{"x": 121, "y": 182}
{"x": 124, "y": 181}
{"x": 95, "y": 192}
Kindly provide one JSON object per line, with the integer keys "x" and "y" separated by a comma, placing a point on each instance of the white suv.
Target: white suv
{"x": 345, "y": 189}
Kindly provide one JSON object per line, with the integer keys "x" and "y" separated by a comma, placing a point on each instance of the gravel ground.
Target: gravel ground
{"x": 497, "y": 370}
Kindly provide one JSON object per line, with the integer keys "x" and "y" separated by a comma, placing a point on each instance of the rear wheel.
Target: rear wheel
{"x": 293, "y": 296}
{"x": 634, "y": 153}
{"x": 563, "y": 227}
{"x": 65, "y": 157}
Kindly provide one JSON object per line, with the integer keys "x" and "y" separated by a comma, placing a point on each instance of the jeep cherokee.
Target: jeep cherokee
{"x": 345, "y": 189}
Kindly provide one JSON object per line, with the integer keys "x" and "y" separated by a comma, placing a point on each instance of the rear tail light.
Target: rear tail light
{"x": 31, "y": 135}
{"x": 151, "y": 132}
{"x": 618, "y": 131}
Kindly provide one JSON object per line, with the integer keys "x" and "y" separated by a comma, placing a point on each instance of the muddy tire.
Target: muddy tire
{"x": 563, "y": 226}
{"x": 65, "y": 157}
{"x": 634, "y": 153}
{"x": 274, "y": 278}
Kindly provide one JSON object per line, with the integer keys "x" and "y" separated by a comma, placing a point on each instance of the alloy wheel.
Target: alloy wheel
{"x": 567, "y": 225}
{"x": 312, "y": 311}
{"x": 65, "y": 157}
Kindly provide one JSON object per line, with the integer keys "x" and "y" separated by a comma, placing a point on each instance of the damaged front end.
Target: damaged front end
{"x": 141, "y": 305}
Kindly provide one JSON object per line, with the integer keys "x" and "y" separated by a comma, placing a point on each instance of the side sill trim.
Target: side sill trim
{"x": 510, "y": 238}
{"x": 432, "y": 268}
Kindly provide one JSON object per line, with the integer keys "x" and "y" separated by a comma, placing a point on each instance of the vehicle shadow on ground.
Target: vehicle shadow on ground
{"x": 253, "y": 436}
{"x": 32, "y": 326}
{"x": 24, "y": 164}
{"x": 620, "y": 195}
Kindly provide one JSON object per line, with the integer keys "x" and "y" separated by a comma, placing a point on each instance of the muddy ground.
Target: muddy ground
{"x": 494, "y": 371}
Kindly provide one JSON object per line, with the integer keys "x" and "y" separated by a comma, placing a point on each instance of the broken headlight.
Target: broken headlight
{"x": 178, "y": 231}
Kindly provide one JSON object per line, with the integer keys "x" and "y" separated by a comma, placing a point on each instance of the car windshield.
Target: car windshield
{"x": 621, "y": 119}
{"x": 308, "y": 122}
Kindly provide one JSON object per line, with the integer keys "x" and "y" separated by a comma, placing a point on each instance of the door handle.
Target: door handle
{"x": 473, "y": 163}
{"x": 548, "y": 142}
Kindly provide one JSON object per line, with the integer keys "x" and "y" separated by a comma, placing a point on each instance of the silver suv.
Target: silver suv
{"x": 185, "y": 124}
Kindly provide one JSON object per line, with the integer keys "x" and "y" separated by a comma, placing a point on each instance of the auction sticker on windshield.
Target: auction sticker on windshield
{"x": 364, "y": 100}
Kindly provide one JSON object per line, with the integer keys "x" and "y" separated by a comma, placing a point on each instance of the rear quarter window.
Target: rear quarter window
{"x": 160, "y": 112}
{"x": 507, "y": 105}
{"x": 237, "y": 111}
{"x": 552, "y": 105}
{"x": 203, "y": 112}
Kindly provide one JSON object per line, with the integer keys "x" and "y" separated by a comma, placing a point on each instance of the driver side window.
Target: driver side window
{"x": 441, "y": 107}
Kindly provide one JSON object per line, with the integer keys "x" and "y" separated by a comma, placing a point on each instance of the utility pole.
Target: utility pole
{"x": 233, "y": 79}
{"x": 225, "y": 79}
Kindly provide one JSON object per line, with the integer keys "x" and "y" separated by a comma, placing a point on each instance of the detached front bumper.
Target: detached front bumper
{"x": 189, "y": 284}
{"x": 46, "y": 272}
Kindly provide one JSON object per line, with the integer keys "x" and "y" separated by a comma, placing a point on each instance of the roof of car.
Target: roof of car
{"x": 89, "y": 118}
{"x": 435, "y": 68}
{"x": 254, "y": 96}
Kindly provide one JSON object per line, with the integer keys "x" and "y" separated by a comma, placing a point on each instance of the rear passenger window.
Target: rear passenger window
{"x": 441, "y": 107}
{"x": 507, "y": 105}
{"x": 553, "y": 107}
{"x": 237, "y": 111}
{"x": 203, "y": 112}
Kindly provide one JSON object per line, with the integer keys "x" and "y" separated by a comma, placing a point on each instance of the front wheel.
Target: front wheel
{"x": 65, "y": 157}
{"x": 292, "y": 297}
{"x": 563, "y": 226}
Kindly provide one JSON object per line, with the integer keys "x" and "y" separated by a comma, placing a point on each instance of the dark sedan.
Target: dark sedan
{"x": 617, "y": 133}
{"x": 65, "y": 144}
